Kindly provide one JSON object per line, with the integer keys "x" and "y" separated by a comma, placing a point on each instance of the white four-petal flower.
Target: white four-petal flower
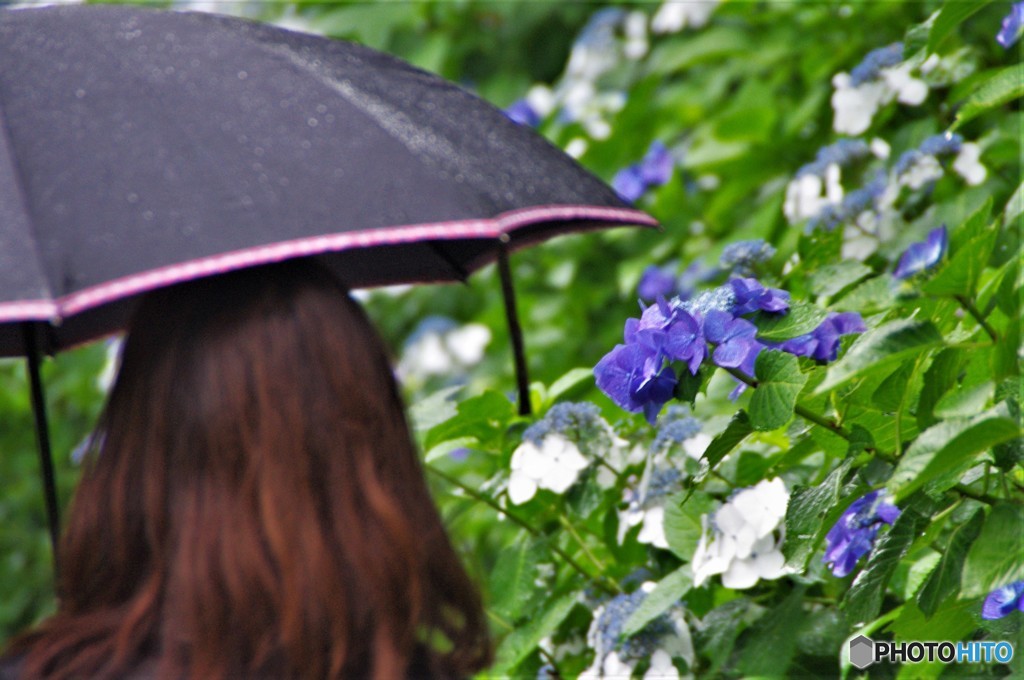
{"x": 554, "y": 465}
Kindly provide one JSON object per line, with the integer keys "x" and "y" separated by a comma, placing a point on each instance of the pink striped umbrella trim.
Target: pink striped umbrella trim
{"x": 68, "y": 305}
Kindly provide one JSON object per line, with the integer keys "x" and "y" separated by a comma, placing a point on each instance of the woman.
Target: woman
{"x": 253, "y": 505}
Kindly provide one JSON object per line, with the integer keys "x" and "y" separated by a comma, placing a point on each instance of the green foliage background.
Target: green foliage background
{"x": 747, "y": 100}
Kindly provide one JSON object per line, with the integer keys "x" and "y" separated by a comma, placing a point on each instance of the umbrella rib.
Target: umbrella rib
{"x": 22, "y": 197}
{"x": 457, "y": 269}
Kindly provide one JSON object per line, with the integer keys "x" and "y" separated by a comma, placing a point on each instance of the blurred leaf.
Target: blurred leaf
{"x": 832, "y": 278}
{"x": 570, "y": 382}
{"x": 948, "y": 445}
{"x": 999, "y": 88}
{"x": 434, "y": 409}
{"x": 944, "y": 581}
{"x": 996, "y": 557}
{"x": 1014, "y": 207}
{"x": 770, "y": 643}
{"x": 511, "y": 582}
{"x": 668, "y": 592}
{"x": 779, "y": 381}
{"x": 894, "y": 342}
{"x": 950, "y": 17}
{"x": 525, "y": 638}
{"x": 940, "y": 377}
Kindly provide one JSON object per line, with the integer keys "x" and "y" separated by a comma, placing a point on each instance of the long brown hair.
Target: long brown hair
{"x": 254, "y": 506}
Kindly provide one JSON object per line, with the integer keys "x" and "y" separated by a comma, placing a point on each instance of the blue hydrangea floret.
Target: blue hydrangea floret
{"x": 854, "y": 534}
{"x": 919, "y": 257}
{"x": 1001, "y": 601}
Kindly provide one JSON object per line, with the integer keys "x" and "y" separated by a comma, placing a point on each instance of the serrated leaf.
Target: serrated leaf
{"x": 948, "y": 445}
{"x": 734, "y": 433}
{"x": 950, "y": 16}
{"x": 863, "y": 600}
{"x": 996, "y": 557}
{"x": 511, "y": 582}
{"x": 682, "y": 523}
{"x": 833, "y": 278}
{"x": 944, "y": 581}
{"x": 940, "y": 377}
{"x": 770, "y": 643}
{"x": 894, "y": 342}
{"x": 668, "y": 592}
{"x": 1003, "y": 86}
{"x": 812, "y": 511}
{"x": 801, "y": 318}
{"x": 779, "y": 381}
{"x": 525, "y": 638}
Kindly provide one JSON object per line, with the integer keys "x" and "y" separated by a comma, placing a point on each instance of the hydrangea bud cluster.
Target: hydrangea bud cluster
{"x": 853, "y": 536}
{"x": 665, "y": 637}
{"x": 817, "y": 185}
{"x": 742, "y": 541}
{"x": 880, "y": 78}
{"x": 743, "y": 257}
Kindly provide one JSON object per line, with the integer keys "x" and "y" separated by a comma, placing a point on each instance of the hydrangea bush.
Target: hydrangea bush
{"x": 789, "y": 418}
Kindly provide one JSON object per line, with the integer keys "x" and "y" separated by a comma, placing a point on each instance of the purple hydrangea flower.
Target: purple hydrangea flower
{"x": 751, "y": 296}
{"x": 822, "y": 344}
{"x": 736, "y": 340}
{"x": 1002, "y": 601}
{"x": 923, "y": 255}
{"x": 634, "y": 377}
{"x": 854, "y": 534}
{"x": 657, "y": 281}
{"x": 654, "y": 170}
{"x": 522, "y": 113}
{"x": 1013, "y": 26}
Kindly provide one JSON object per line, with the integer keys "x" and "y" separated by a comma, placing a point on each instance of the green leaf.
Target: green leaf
{"x": 965, "y": 402}
{"x": 879, "y": 348}
{"x": 721, "y": 627}
{"x": 569, "y": 382}
{"x": 940, "y": 377}
{"x": 682, "y": 523}
{"x": 668, "y": 592}
{"x": 952, "y": 15}
{"x": 511, "y": 582}
{"x": 735, "y": 432}
{"x": 714, "y": 43}
{"x": 770, "y": 643}
{"x": 835, "y": 277}
{"x": 481, "y": 417}
{"x": 953, "y": 621}
{"x": 779, "y": 381}
{"x": 812, "y": 511}
{"x": 820, "y": 248}
{"x": 863, "y": 600}
{"x": 434, "y": 409}
{"x": 944, "y": 581}
{"x": 525, "y": 638}
{"x": 959, "y": 275}
{"x": 948, "y": 445}
{"x": 1014, "y": 207}
{"x": 1001, "y": 87}
{"x": 801, "y": 318}
{"x": 996, "y": 558}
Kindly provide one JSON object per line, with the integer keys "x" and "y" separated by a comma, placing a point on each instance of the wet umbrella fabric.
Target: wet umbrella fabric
{"x": 142, "y": 148}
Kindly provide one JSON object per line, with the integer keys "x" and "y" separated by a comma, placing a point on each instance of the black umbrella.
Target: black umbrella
{"x": 142, "y": 148}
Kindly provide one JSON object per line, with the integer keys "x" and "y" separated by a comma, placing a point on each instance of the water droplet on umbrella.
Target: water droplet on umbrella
{"x": 312, "y": 122}
{"x": 306, "y": 144}
{"x": 242, "y": 75}
{"x": 321, "y": 108}
{"x": 258, "y": 151}
{"x": 79, "y": 93}
{"x": 133, "y": 198}
{"x": 246, "y": 201}
{"x": 148, "y": 215}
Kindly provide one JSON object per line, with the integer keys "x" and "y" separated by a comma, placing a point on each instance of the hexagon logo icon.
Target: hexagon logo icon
{"x": 862, "y": 652}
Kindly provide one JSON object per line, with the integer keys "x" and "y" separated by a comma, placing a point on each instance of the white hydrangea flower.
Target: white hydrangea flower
{"x": 907, "y": 89}
{"x": 808, "y": 194}
{"x": 855, "y": 105}
{"x": 675, "y": 15}
{"x": 968, "y": 165}
{"x": 541, "y": 99}
{"x": 653, "y": 530}
{"x": 467, "y": 343}
{"x": 635, "y": 29}
{"x": 576, "y": 147}
{"x": 695, "y": 446}
{"x": 608, "y": 668}
{"x": 554, "y": 465}
{"x": 925, "y": 169}
{"x": 661, "y": 667}
{"x": 743, "y": 543}
{"x": 441, "y": 351}
{"x": 880, "y": 148}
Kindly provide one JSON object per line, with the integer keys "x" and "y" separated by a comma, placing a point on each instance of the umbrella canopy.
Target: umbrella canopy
{"x": 140, "y": 148}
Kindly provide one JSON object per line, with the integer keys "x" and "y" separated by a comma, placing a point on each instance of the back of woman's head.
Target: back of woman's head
{"x": 254, "y": 505}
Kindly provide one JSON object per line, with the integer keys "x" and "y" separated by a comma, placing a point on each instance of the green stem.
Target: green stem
{"x": 500, "y": 621}
{"x": 516, "y": 519}
{"x": 586, "y": 551}
{"x": 973, "y": 311}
